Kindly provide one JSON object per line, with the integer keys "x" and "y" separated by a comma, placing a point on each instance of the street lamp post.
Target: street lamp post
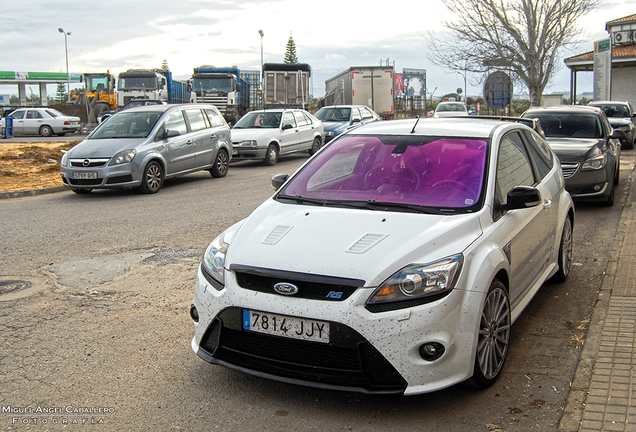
{"x": 68, "y": 89}
{"x": 260, "y": 32}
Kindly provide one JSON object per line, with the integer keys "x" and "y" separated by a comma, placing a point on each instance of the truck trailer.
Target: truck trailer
{"x": 151, "y": 84}
{"x": 286, "y": 85}
{"x": 223, "y": 87}
{"x": 363, "y": 85}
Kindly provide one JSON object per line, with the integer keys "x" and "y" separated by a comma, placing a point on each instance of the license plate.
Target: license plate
{"x": 286, "y": 326}
{"x": 91, "y": 175}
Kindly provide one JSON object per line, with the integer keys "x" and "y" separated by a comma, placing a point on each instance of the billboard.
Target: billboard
{"x": 410, "y": 84}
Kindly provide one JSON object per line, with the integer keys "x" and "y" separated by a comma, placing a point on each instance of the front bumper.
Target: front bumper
{"x": 368, "y": 352}
{"x": 119, "y": 176}
{"x": 248, "y": 153}
{"x": 589, "y": 185}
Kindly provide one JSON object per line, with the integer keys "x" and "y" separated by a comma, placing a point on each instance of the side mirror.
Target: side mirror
{"x": 356, "y": 120}
{"x": 522, "y": 197}
{"x": 278, "y": 180}
{"x": 287, "y": 126}
{"x": 618, "y": 134}
{"x": 172, "y": 133}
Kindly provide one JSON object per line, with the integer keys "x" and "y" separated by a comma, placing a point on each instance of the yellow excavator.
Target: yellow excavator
{"x": 98, "y": 94}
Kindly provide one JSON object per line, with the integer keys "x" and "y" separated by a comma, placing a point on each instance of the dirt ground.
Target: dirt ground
{"x": 31, "y": 166}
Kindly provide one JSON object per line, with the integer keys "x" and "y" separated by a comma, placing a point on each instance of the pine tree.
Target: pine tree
{"x": 164, "y": 64}
{"x": 290, "y": 52}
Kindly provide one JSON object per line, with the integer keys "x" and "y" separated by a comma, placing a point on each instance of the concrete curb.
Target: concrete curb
{"x": 35, "y": 192}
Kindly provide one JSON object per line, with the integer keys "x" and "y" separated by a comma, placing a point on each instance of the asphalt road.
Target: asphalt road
{"x": 105, "y": 326}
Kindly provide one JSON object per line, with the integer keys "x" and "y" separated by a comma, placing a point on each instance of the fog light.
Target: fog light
{"x": 431, "y": 351}
{"x": 194, "y": 313}
{"x": 597, "y": 188}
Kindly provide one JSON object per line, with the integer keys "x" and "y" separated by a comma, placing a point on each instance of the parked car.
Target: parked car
{"x": 450, "y": 109}
{"x": 267, "y": 134}
{"x": 42, "y": 121}
{"x": 140, "y": 147}
{"x": 130, "y": 104}
{"x": 337, "y": 119}
{"x": 621, "y": 116}
{"x": 394, "y": 261}
{"x": 587, "y": 146}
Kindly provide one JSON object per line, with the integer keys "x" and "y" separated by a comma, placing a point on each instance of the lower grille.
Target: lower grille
{"x": 348, "y": 360}
{"x": 85, "y": 182}
{"x": 120, "y": 179}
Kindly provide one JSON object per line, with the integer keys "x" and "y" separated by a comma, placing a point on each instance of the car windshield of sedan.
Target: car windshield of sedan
{"x": 259, "y": 120}
{"x": 394, "y": 173}
{"x": 127, "y": 125}
{"x": 619, "y": 111}
{"x": 451, "y": 107}
{"x": 334, "y": 114}
{"x": 569, "y": 125}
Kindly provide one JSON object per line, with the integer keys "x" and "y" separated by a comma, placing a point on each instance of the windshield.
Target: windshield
{"x": 137, "y": 83}
{"x": 401, "y": 173}
{"x": 614, "y": 110}
{"x": 334, "y": 114}
{"x": 450, "y": 107}
{"x": 259, "y": 120}
{"x": 224, "y": 85}
{"x": 127, "y": 125}
{"x": 569, "y": 125}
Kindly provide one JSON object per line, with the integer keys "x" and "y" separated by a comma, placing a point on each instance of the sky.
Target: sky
{"x": 330, "y": 36}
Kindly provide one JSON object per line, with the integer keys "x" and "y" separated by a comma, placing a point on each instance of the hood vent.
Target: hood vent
{"x": 277, "y": 233}
{"x": 366, "y": 242}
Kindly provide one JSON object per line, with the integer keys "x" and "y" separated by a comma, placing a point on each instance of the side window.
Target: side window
{"x": 355, "y": 114}
{"x": 19, "y": 114}
{"x": 300, "y": 118}
{"x": 175, "y": 121}
{"x": 540, "y": 152}
{"x": 307, "y": 119}
{"x": 33, "y": 114}
{"x": 365, "y": 113}
{"x": 513, "y": 166}
{"x": 288, "y": 118}
{"x": 215, "y": 119}
{"x": 197, "y": 119}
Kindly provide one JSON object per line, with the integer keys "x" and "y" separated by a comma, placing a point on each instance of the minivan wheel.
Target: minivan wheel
{"x": 152, "y": 179}
{"x": 493, "y": 338}
{"x": 271, "y": 157}
{"x": 221, "y": 165}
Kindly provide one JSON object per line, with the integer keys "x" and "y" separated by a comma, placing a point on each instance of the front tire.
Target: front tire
{"x": 494, "y": 337}
{"x": 565, "y": 253}
{"x": 45, "y": 131}
{"x": 152, "y": 179}
{"x": 271, "y": 157}
{"x": 221, "y": 165}
{"x": 315, "y": 146}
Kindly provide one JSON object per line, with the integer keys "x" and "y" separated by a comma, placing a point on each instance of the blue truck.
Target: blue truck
{"x": 223, "y": 87}
{"x": 156, "y": 84}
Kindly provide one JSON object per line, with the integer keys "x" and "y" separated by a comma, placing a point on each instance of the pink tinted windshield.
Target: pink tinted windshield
{"x": 417, "y": 170}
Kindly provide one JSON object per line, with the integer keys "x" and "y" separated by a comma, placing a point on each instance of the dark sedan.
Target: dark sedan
{"x": 587, "y": 146}
{"x": 621, "y": 116}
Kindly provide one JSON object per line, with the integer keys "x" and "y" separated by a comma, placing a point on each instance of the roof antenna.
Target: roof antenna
{"x": 415, "y": 125}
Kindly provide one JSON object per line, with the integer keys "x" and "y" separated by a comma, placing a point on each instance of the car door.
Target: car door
{"x": 18, "y": 121}
{"x": 203, "y": 137}
{"x": 305, "y": 130}
{"x": 179, "y": 148}
{"x": 528, "y": 231}
{"x": 290, "y": 135}
{"x": 32, "y": 122}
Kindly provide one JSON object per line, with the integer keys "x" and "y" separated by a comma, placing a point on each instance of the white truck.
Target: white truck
{"x": 363, "y": 85}
{"x": 154, "y": 84}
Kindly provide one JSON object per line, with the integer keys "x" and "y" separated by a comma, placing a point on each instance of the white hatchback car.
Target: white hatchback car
{"x": 450, "y": 109}
{"x": 267, "y": 134}
{"x": 394, "y": 261}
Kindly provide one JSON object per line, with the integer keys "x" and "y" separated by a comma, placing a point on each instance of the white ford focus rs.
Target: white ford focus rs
{"x": 394, "y": 261}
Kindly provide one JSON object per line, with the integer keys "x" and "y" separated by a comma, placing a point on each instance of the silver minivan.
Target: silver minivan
{"x": 140, "y": 147}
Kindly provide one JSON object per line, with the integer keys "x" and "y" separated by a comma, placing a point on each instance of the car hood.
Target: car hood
{"x": 350, "y": 243}
{"x": 94, "y": 148}
{"x": 619, "y": 121}
{"x": 254, "y": 134}
{"x": 569, "y": 149}
{"x": 335, "y": 125}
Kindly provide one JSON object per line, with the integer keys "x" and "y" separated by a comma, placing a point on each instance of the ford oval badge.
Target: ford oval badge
{"x": 285, "y": 288}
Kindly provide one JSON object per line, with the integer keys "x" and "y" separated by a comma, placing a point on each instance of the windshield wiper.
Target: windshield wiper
{"x": 323, "y": 203}
{"x": 382, "y": 205}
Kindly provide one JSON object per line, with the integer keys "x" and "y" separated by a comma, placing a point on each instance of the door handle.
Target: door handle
{"x": 189, "y": 142}
{"x": 547, "y": 204}
{"x": 213, "y": 136}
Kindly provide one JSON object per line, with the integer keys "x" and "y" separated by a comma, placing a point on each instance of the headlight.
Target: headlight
{"x": 596, "y": 161}
{"x": 64, "y": 160}
{"x": 329, "y": 133}
{"x": 123, "y": 157}
{"x": 417, "y": 282}
{"x": 247, "y": 143}
{"x": 213, "y": 264}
